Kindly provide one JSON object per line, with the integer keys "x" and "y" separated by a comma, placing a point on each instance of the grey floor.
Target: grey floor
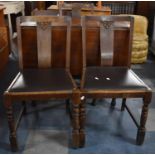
{"x": 47, "y": 130}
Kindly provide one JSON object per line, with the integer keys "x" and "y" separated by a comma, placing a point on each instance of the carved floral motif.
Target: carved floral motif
{"x": 44, "y": 25}
{"x": 107, "y": 24}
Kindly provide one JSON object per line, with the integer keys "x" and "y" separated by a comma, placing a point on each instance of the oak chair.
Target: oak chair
{"x": 41, "y": 41}
{"x": 111, "y": 38}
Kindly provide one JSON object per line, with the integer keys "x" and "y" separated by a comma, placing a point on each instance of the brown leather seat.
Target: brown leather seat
{"x": 111, "y": 78}
{"x": 36, "y": 80}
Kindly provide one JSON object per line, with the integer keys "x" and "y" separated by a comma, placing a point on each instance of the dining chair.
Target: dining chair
{"x": 42, "y": 40}
{"x": 111, "y": 38}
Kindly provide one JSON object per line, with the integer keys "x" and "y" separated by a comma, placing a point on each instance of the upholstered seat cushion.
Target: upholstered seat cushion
{"x": 37, "y": 80}
{"x": 140, "y": 37}
{"x": 137, "y": 54}
{"x": 111, "y": 78}
{"x": 139, "y": 60}
{"x": 138, "y": 46}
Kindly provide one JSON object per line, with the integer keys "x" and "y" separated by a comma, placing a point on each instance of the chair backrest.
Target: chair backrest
{"x": 109, "y": 37}
{"x": 43, "y": 41}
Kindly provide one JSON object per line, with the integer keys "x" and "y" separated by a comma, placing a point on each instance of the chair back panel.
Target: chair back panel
{"x": 44, "y": 41}
{"x": 106, "y": 43}
{"x": 108, "y": 36}
{"x": 44, "y": 45}
{"x": 28, "y": 56}
{"x": 93, "y": 46}
{"x": 122, "y": 48}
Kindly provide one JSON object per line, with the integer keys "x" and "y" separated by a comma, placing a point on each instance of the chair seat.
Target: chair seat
{"x": 112, "y": 78}
{"x": 38, "y": 80}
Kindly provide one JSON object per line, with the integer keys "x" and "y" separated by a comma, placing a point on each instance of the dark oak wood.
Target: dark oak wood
{"x": 40, "y": 52}
{"x": 93, "y": 56}
{"x": 82, "y": 121}
{"x": 2, "y": 22}
{"x": 4, "y": 45}
{"x": 112, "y": 78}
{"x": 75, "y": 118}
{"x": 76, "y": 42}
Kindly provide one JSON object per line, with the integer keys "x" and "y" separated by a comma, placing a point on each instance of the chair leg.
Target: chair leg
{"x": 33, "y": 103}
{"x": 24, "y": 107}
{"x": 82, "y": 123}
{"x": 67, "y": 106}
{"x": 13, "y": 140}
{"x": 123, "y": 104}
{"x": 93, "y": 103}
{"x": 113, "y": 103}
{"x": 75, "y": 118}
{"x": 141, "y": 129}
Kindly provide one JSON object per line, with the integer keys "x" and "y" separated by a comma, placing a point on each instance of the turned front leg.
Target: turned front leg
{"x": 144, "y": 114}
{"x": 93, "y": 103}
{"x": 123, "y": 104}
{"x": 24, "y": 107}
{"x": 82, "y": 121}
{"x": 75, "y": 118}
{"x": 113, "y": 103}
{"x": 13, "y": 139}
{"x": 67, "y": 106}
{"x": 141, "y": 129}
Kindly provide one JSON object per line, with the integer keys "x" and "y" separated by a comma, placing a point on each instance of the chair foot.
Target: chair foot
{"x": 123, "y": 104}
{"x": 75, "y": 139}
{"x": 14, "y": 144}
{"x": 82, "y": 138}
{"x": 140, "y": 136}
{"x": 113, "y": 103}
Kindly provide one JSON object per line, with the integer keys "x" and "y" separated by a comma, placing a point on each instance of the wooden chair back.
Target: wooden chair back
{"x": 109, "y": 37}
{"x": 44, "y": 41}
